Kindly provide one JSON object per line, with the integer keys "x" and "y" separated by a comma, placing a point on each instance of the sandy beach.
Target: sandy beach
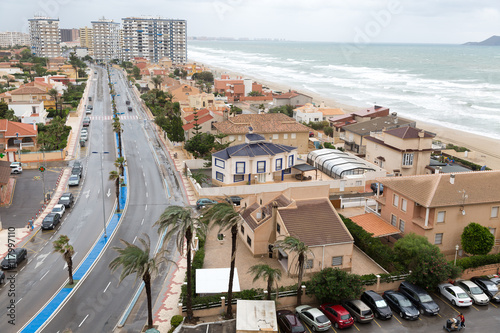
{"x": 485, "y": 150}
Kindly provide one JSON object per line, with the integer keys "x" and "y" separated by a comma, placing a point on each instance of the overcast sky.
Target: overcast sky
{"x": 373, "y": 21}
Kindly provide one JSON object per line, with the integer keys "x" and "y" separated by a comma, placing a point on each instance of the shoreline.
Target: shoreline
{"x": 485, "y": 147}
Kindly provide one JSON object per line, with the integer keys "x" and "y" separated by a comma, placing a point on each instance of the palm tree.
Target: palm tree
{"x": 54, "y": 94}
{"x": 302, "y": 251}
{"x": 157, "y": 81}
{"x": 138, "y": 260}
{"x": 61, "y": 245}
{"x": 117, "y": 128}
{"x": 114, "y": 175}
{"x": 180, "y": 223}
{"x": 225, "y": 216}
{"x": 121, "y": 163}
{"x": 267, "y": 273}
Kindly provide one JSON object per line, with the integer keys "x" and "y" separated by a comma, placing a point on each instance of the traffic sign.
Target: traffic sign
{"x": 42, "y": 169}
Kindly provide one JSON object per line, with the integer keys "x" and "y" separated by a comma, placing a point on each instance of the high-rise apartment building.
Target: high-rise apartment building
{"x": 13, "y": 38}
{"x": 154, "y": 38}
{"x": 69, "y": 35}
{"x": 45, "y": 39}
{"x": 87, "y": 39}
{"x": 106, "y": 40}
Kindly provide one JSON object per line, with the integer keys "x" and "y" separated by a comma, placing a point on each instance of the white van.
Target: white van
{"x": 16, "y": 168}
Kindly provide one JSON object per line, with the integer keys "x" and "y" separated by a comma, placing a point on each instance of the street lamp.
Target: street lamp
{"x": 456, "y": 252}
{"x": 102, "y": 190}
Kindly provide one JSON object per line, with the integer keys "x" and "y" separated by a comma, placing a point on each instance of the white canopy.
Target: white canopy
{"x": 215, "y": 280}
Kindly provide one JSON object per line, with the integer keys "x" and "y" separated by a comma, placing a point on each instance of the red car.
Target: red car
{"x": 338, "y": 315}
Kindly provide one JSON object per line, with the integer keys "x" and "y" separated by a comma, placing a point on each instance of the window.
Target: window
{"x": 231, "y": 138}
{"x": 494, "y": 212}
{"x": 279, "y": 164}
{"x": 242, "y": 229}
{"x": 220, "y": 163}
{"x": 394, "y": 220}
{"x": 438, "y": 239}
{"x": 294, "y": 135}
{"x": 336, "y": 261}
{"x": 239, "y": 178}
{"x": 240, "y": 138}
{"x": 359, "y": 183}
{"x": 249, "y": 241}
{"x": 403, "y": 204}
{"x": 440, "y": 217}
{"x": 395, "y": 200}
{"x": 240, "y": 167}
{"x": 261, "y": 167}
{"x": 402, "y": 225}
{"x": 219, "y": 176}
{"x": 290, "y": 161}
{"x": 309, "y": 264}
{"x": 408, "y": 159}
{"x": 278, "y": 228}
{"x": 493, "y": 231}
{"x": 276, "y": 136}
{"x": 287, "y": 171}
{"x": 285, "y": 136}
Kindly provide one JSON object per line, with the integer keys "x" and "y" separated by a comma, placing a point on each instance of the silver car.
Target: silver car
{"x": 313, "y": 317}
{"x": 74, "y": 180}
{"x": 473, "y": 291}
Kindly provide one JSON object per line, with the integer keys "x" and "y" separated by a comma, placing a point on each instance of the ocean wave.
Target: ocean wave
{"x": 484, "y": 108}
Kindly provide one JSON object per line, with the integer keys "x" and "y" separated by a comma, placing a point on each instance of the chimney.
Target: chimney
{"x": 274, "y": 219}
{"x": 421, "y": 134}
{"x": 34, "y": 126}
{"x": 322, "y": 105}
{"x": 452, "y": 178}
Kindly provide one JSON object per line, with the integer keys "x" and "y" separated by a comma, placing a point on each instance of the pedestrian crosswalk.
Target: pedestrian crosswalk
{"x": 122, "y": 117}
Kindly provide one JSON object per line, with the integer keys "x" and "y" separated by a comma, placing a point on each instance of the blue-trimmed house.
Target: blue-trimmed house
{"x": 255, "y": 161}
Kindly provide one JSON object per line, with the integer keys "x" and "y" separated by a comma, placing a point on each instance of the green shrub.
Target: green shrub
{"x": 477, "y": 261}
{"x": 329, "y": 145}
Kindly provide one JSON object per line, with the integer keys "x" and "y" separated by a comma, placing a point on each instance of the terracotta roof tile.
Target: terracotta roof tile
{"x": 315, "y": 222}
{"x": 375, "y": 225}
{"x": 12, "y": 127}
{"x": 201, "y": 113}
{"x": 201, "y": 120}
{"x": 28, "y": 91}
{"x": 261, "y": 123}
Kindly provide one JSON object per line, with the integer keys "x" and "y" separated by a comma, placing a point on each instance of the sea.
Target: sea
{"x": 456, "y": 86}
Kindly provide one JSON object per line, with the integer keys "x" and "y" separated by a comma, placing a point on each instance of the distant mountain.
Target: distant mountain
{"x": 492, "y": 41}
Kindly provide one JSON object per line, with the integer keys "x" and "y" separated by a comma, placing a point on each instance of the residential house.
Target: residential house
{"x": 203, "y": 118}
{"x": 292, "y": 98}
{"x": 403, "y": 151}
{"x": 30, "y": 112}
{"x": 275, "y": 127}
{"x": 255, "y": 161}
{"x": 354, "y": 134}
{"x": 304, "y": 213}
{"x": 237, "y": 88}
{"x": 312, "y": 113}
{"x": 440, "y": 206}
{"x": 11, "y": 131}
{"x": 181, "y": 93}
{"x": 32, "y": 93}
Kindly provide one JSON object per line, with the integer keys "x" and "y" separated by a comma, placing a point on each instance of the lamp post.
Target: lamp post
{"x": 456, "y": 252}
{"x": 102, "y": 190}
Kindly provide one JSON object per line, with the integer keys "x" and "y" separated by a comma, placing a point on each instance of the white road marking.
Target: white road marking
{"x": 107, "y": 286}
{"x": 42, "y": 257}
{"x": 19, "y": 300}
{"x": 142, "y": 221}
{"x": 146, "y": 208}
{"x": 44, "y": 275}
{"x": 147, "y": 195}
{"x": 23, "y": 268}
{"x": 83, "y": 320}
{"x": 65, "y": 265}
{"x": 134, "y": 240}
{"x": 51, "y": 237}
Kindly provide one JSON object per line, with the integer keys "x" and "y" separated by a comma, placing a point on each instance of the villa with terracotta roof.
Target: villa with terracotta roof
{"x": 181, "y": 93}
{"x": 304, "y": 213}
{"x": 205, "y": 121}
{"x": 10, "y": 131}
{"x": 402, "y": 151}
{"x": 292, "y": 98}
{"x": 312, "y": 113}
{"x": 440, "y": 206}
{"x": 274, "y": 127}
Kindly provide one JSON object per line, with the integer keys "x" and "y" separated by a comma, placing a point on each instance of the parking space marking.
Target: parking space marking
{"x": 356, "y": 327}
{"x": 475, "y": 307}
{"x": 494, "y": 305}
{"x": 439, "y": 315}
{"x": 397, "y": 319}
{"x": 446, "y": 302}
{"x": 376, "y": 322}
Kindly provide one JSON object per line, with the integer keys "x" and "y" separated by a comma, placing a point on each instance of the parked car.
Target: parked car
{"x": 495, "y": 280}
{"x": 201, "y": 203}
{"x": 358, "y": 310}
{"x": 90, "y": 98}
{"x": 288, "y": 322}
{"x": 129, "y": 108}
{"x": 59, "y": 209}
{"x": 74, "y": 180}
{"x": 14, "y": 258}
{"x": 488, "y": 287}
{"x": 420, "y": 298}
{"x": 16, "y": 168}
{"x": 76, "y": 170}
{"x": 235, "y": 200}
{"x": 454, "y": 294}
{"x": 84, "y": 136}
{"x": 377, "y": 304}
{"x": 474, "y": 292}
{"x": 51, "y": 220}
{"x": 78, "y": 163}
{"x": 88, "y": 110}
{"x": 313, "y": 317}
{"x": 67, "y": 199}
{"x": 127, "y": 102}
{"x": 402, "y": 305}
{"x": 2, "y": 277}
{"x": 338, "y": 315}
{"x": 86, "y": 122}
{"x": 374, "y": 187}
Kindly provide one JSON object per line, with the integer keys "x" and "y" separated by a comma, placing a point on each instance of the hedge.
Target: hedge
{"x": 477, "y": 261}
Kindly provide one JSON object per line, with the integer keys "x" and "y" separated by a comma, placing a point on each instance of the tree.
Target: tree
{"x": 200, "y": 145}
{"x": 427, "y": 264}
{"x": 136, "y": 72}
{"x": 255, "y": 93}
{"x": 302, "y": 252}
{"x": 61, "y": 245}
{"x": 234, "y": 110}
{"x": 55, "y": 94}
{"x": 120, "y": 163}
{"x": 262, "y": 108}
{"x": 286, "y": 109}
{"x": 335, "y": 285}
{"x": 6, "y": 113}
{"x": 225, "y": 216}
{"x": 175, "y": 131}
{"x": 115, "y": 176}
{"x": 267, "y": 273}
{"x": 328, "y": 131}
{"x": 74, "y": 62}
{"x": 157, "y": 81}
{"x": 117, "y": 128}
{"x": 134, "y": 259}
{"x": 203, "y": 76}
{"x": 181, "y": 224}
{"x": 477, "y": 239}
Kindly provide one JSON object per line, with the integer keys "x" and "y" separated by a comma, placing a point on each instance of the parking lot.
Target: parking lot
{"x": 477, "y": 318}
